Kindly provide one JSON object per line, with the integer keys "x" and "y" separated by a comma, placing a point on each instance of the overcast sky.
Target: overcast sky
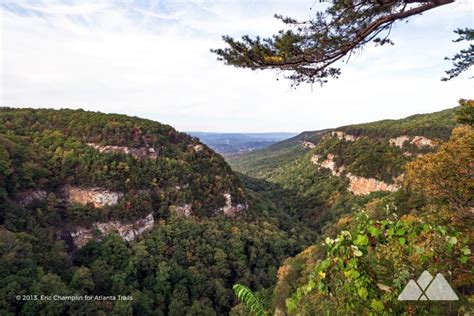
{"x": 151, "y": 59}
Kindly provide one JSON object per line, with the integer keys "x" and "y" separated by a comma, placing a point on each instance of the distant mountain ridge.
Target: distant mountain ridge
{"x": 229, "y": 144}
{"x": 260, "y": 163}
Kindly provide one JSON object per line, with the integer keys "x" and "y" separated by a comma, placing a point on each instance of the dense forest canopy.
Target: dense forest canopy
{"x": 183, "y": 265}
{"x": 190, "y": 264}
{"x": 370, "y": 246}
{"x": 308, "y": 51}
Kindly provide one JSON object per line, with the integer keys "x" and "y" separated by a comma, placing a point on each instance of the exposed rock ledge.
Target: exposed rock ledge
{"x": 418, "y": 141}
{"x": 422, "y": 141}
{"x": 341, "y": 135}
{"x": 363, "y": 186}
{"x": 97, "y": 196}
{"x": 137, "y": 153}
{"x": 357, "y": 185}
{"x": 309, "y": 145}
{"x": 128, "y": 231}
{"x": 184, "y": 210}
{"x": 25, "y": 198}
{"x": 329, "y": 163}
{"x": 228, "y": 209}
{"x": 399, "y": 141}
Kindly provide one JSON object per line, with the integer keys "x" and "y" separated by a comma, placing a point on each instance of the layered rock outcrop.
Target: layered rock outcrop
{"x": 184, "y": 210}
{"x": 399, "y": 141}
{"x": 309, "y": 145}
{"x": 96, "y": 196}
{"x": 198, "y": 148}
{"x": 230, "y": 210}
{"x": 363, "y": 186}
{"x": 328, "y": 163}
{"x": 128, "y": 231}
{"x": 422, "y": 141}
{"x": 341, "y": 135}
{"x": 418, "y": 141}
{"x": 357, "y": 185}
{"x": 25, "y": 198}
{"x": 137, "y": 153}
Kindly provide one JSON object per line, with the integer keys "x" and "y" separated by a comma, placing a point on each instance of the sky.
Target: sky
{"x": 151, "y": 59}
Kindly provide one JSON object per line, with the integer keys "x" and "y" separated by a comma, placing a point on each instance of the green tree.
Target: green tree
{"x": 308, "y": 50}
{"x": 447, "y": 174}
{"x": 465, "y": 114}
{"x": 465, "y": 58}
{"x": 82, "y": 280}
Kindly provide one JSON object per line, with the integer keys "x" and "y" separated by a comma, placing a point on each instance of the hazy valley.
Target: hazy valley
{"x": 232, "y": 144}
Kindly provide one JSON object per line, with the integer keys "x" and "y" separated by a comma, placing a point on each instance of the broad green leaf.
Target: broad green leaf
{"x": 390, "y": 232}
{"x": 361, "y": 240}
{"x": 400, "y": 232}
{"x": 402, "y": 240}
{"x": 374, "y": 231}
{"x": 325, "y": 264}
{"x": 377, "y": 305}
{"x": 452, "y": 240}
{"x": 247, "y": 297}
{"x": 363, "y": 292}
{"x": 466, "y": 250}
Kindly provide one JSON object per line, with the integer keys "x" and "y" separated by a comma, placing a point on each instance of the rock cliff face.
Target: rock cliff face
{"x": 137, "y": 153}
{"x": 309, "y": 145}
{"x": 364, "y": 186}
{"x": 184, "y": 210}
{"x": 341, "y": 135}
{"x": 128, "y": 231}
{"x": 399, "y": 141}
{"x": 422, "y": 141}
{"x": 97, "y": 196}
{"x": 357, "y": 185}
{"x": 198, "y": 148}
{"x": 25, "y": 198}
{"x": 416, "y": 140}
{"x": 328, "y": 163}
{"x": 230, "y": 210}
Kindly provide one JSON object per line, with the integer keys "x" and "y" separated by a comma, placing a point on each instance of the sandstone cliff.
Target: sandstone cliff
{"x": 137, "y": 153}
{"x": 341, "y": 135}
{"x": 357, "y": 185}
{"x": 228, "y": 209}
{"x": 128, "y": 231}
{"x": 418, "y": 141}
{"x": 309, "y": 145}
{"x": 96, "y": 196}
{"x": 25, "y": 198}
{"x": 364, "y": 186}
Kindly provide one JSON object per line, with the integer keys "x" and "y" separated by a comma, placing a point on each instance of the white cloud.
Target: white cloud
{"x": 153, "y": 60}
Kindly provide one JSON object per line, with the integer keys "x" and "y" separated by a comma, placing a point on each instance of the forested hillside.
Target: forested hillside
{"x": 109, "y": 205}
{"x": 100, "y": 204}
{"x": 317, "y": 176}
{"x": 260, "y": 163}
{"x": 390, "y": 200}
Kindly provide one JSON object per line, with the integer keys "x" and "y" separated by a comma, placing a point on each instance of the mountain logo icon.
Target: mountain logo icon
{"x": 428, "y": 288}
